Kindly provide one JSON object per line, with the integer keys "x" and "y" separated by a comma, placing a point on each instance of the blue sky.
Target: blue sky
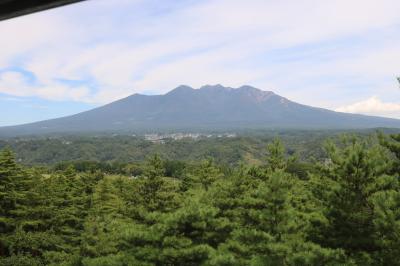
{"x": 341, "y": 55}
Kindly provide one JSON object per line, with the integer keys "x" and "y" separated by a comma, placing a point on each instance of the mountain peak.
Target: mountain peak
{"x": 180, "y": 89}
{"x": 216, "y": 87}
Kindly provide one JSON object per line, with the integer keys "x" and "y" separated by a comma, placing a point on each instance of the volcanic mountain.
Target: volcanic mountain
{"x": 207, "y": 108}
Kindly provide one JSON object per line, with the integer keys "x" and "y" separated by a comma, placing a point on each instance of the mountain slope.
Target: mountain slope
{"x": 210, "y": 107}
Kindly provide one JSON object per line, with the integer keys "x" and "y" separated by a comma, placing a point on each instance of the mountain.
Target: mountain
{"x": 208, "y": 108}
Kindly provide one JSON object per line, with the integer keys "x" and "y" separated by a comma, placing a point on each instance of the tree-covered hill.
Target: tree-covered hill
{"x": 246, "y": 147}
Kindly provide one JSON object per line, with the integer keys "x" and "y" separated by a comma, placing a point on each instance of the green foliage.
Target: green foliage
{"x": 154, "y": 189}
{"x": 276, "y": 156}
{"x": 207, "y": 173}
{"x": 357, "y": 181}
{"x": 118, "y": 154}
{"x": 345, "y": 210}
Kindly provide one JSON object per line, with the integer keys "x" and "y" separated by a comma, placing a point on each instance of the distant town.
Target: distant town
{"x": 161, "y": 138}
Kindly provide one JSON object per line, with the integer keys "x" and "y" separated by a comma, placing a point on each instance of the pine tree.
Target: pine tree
{"x": 207, "y": 174}
{"x": 157, "y": 194}
{"x": 151, "y": 189}
{"x": 392, "y": 143}
{"x": 352, "y": 187}
{"x": 29, "y": 237}
{"x": 9, "y": 175}
{"x": 188, "y": 234}
{"x": 276, "y": 221}
{"x": 105, "y": 216}
{"x": 276, "y": 156}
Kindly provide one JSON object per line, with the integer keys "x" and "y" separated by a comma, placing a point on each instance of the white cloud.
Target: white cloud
{"x": 127, "y": 47}
{"x": 373, "y": 106}
{"x": 15, "y": 83}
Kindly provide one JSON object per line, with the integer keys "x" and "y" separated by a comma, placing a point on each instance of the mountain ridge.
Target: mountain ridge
{"x": 211, "y": 107}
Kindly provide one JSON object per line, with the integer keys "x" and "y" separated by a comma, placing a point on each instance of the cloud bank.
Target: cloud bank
{"x": 373, "y": 106}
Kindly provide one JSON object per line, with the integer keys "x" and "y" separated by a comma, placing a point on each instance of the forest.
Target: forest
{"x": 230, "y": 204}
{"x": 247, "y": 147}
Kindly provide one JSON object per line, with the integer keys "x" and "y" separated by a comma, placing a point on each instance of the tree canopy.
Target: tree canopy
{"x": 344, "y": 210}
